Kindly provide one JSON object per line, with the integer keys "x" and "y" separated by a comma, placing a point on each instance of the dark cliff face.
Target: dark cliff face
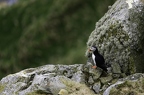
{"x": 119, "y": 35}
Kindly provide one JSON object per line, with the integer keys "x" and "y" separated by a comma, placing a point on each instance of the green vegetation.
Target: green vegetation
{"x": 75, "y": 88}
{"x": 39, "y": 32}
{"x": 1, "y": 87}
{"x": 35, "y": 93}
{"x": 129, "y": 88}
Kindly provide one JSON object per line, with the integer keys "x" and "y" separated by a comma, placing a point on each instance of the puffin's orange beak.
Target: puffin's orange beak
{"x": 89, "y": 50}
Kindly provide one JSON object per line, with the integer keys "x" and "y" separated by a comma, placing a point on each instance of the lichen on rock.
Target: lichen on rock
{"x": 2, "y": 86}
{"x": 47, "y": 80}
{"x": 119, "y": 37}
{"x": 131, "y": 85}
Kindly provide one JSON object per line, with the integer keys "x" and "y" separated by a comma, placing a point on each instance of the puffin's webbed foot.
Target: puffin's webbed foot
{"x": 94, "y": 67}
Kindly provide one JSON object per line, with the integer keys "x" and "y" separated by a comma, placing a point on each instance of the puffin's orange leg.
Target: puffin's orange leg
{"x": 94, "y": 67}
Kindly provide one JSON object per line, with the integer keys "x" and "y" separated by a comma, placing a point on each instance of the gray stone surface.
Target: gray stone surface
{"x": 48, "y": 79}
{"x": 96, "y": 87}
{"x": 105, "y": 80}
{"x": 119, "y": 36}
{"x": 90, "y": 80}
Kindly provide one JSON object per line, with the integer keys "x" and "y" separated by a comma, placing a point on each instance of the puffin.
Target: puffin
{"x": 98, "y": 59}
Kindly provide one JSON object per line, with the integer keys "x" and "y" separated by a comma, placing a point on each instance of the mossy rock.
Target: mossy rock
{"x": 47, "y": 80}
{"x": 2, "y": 87}
{"x": 75, "y": 88}
{"x": 130, "y": 85}
{"x": 119, "y": 37}
{"x": 129, "y": 88}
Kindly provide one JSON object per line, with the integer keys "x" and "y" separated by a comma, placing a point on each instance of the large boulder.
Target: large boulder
{"x": 51, "y": 79}
{"x": 119, "y": 36}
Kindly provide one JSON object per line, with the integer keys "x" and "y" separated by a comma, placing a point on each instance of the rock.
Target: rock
{"x": 79, "y": 77}
{"x": 94, "y": 73}
{"x": 116, "y": 68}
{"x": 105, "y": 80}
{"x": 48, "y": 79}
{"x": 96, "y": 87}
{"x": 118, "y": 36}
{"x": 76, "y": 88}
{"x": 131, "y": 85}
{"x": 90, "y": 80}
{"x": 51, "y": 79}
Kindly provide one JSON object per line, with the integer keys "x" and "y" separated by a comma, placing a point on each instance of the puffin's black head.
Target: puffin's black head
{"x": 93, "y": 49}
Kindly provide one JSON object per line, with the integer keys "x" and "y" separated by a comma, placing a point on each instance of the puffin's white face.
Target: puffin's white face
{"x": 92, "y": 49}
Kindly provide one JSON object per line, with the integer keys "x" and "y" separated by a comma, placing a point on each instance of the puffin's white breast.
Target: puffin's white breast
{"x": 93, "y": 57}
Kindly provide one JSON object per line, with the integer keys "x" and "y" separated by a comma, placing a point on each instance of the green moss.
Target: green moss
{"x": 38, "y": 92}
{"x": 2, "y": 87}
{"x": 129, "y": 88}
{"x": 132, "y": 68}
{"x": 125, "y": 84}
{"x": 75, "y": 88}
{"x": 142, "y": 83}
{"x": 114, "y": 91}
{"x": 35, "y": 93}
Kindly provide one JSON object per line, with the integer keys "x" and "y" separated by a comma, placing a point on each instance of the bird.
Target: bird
{"x": 97, "y": 58}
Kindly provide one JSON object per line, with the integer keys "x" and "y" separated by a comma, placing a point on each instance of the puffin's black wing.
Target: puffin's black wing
{"x": 100, "y": 62}
{"x": 103, "y": 66}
